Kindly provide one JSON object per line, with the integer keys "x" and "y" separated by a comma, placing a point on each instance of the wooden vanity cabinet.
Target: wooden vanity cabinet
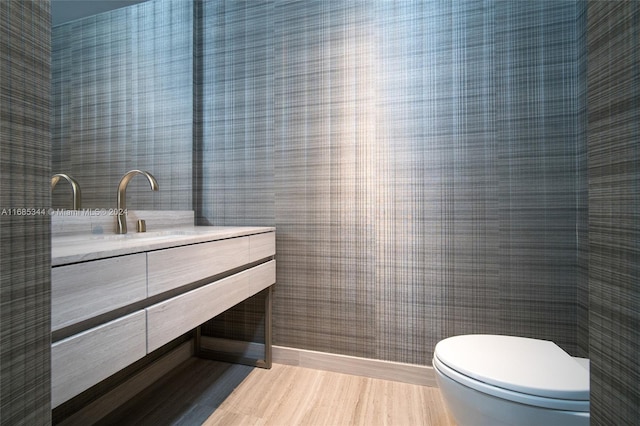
{"x": 102, "y": 294}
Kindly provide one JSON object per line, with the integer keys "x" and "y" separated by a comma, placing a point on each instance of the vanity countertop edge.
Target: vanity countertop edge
{"x": 71, "y": 249}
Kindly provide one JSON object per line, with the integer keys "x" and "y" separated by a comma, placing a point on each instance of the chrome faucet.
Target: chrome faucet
{"x": 121, "y": 223}
{"x": 75, "y": 188}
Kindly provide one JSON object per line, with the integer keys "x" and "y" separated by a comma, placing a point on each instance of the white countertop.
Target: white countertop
{"x": 75, "y": 248}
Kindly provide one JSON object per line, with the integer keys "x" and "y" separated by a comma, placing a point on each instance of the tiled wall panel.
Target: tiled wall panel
{"x": 614, "y": 211}
{"x": 122, "y": 98}
{"x": 235, "y": 151}
{"x": 540, "y": 133}
{"x": 417, "y": 158}
{"x": 25, "y": 263}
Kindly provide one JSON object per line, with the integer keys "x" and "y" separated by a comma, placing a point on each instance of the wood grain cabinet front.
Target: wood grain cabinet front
{"x": 85, "y": 290}
{"x": 178, "y": 266}
{"x": 84, "y": 359}
{"x": 177, "y": 315}
{"x": 262, "y": 246}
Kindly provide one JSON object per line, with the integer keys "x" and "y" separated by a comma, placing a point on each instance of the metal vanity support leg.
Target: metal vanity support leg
{"x": 240, "y": 359}
{"x": 266, "y": 362}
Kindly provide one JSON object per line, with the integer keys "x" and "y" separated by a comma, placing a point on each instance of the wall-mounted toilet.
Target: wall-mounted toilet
{"x": 505, "y": 380}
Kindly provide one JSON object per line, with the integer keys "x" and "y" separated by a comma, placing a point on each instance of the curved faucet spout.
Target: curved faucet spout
{"x": 75, "y": 188}
{"x": 121, "y": 223}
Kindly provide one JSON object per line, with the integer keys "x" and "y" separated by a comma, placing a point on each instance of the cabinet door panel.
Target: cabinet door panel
{"x": 178, "y": 266}
{"x": 82, "y": 360}
{"x": 176, "y": 316}
{"x": 85, "y": 290}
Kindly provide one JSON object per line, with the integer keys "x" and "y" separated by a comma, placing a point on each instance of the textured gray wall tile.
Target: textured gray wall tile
{"x": 25, "y": 262}
{"x": 614, "y": 211}
{"x": 236, "y": 148}
{"x": 417, "y": 158}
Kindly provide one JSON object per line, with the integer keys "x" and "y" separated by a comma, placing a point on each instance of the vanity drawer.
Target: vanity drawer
{"x": 82, "y": 360}
{"x": 85, "y": 290}
{"x": 262, "y": 246}
{"x": 176, "y": 316}
{"x": 178, "y": 266}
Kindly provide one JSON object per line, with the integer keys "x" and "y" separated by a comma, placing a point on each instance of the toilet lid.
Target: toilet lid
{"x": 531, "y": 366}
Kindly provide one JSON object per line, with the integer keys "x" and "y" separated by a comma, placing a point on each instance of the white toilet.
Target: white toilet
{"x": 505, "y": 380}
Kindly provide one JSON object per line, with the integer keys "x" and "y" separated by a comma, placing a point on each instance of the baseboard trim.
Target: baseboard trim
{"x": 377, "y": 369}
{"x": 367, "y": 367}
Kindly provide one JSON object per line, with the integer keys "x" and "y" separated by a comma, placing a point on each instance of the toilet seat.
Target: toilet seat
{"x": 528, "y": 371}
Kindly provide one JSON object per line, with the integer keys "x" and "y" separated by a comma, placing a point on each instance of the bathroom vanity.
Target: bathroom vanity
{"x": 117, "y": 298}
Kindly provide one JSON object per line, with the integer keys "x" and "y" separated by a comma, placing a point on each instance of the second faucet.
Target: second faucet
{"x": 121, "y": 222}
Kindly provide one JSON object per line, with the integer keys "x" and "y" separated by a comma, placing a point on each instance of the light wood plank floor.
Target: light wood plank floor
{"x": 287, "y": 395}
{"x": 211, "y": 393}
